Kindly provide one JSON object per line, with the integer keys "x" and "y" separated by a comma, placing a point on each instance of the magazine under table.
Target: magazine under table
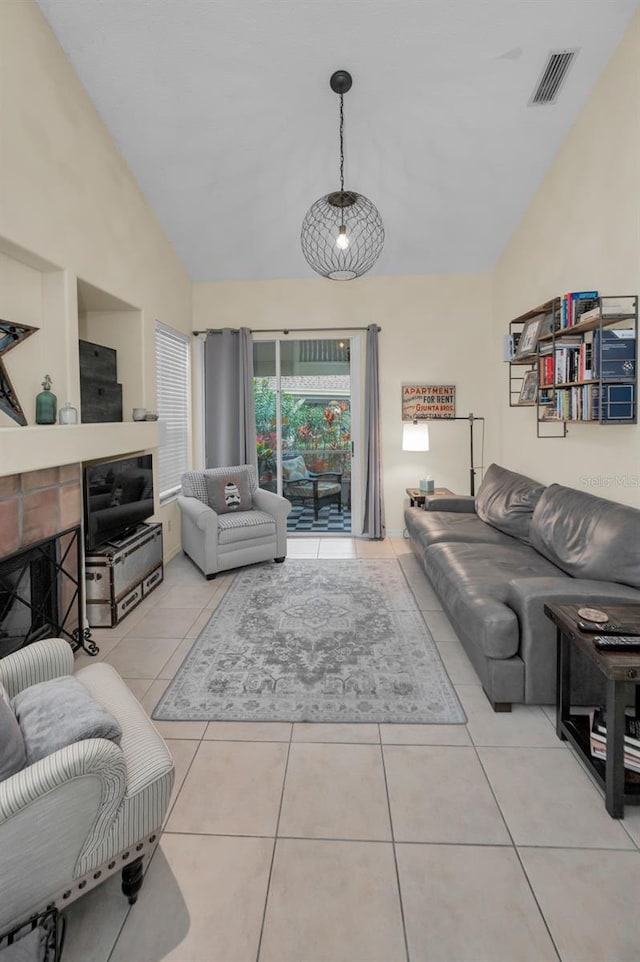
{"x": 621, "y": 671}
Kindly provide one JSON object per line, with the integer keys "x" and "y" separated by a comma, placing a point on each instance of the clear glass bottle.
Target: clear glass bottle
{"x": 68, "y": 414}
{"x": 46, "y": 403}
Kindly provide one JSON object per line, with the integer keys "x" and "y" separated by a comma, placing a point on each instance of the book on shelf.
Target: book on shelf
{"x": 604, "y": 308}
{"x": 614, "y": 353}
{"x": 614, "y": 402}
{"x": 510, "y": 345}
{"x": 574, "y": 304}
{"x": 598, "y": 741}
{"x": 631, "y": 727}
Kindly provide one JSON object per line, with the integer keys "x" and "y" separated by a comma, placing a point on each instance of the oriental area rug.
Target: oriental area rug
{"x": 316, "y": 641}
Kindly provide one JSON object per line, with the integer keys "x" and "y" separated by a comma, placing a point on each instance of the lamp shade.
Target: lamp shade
{"x": 415, "y": 436}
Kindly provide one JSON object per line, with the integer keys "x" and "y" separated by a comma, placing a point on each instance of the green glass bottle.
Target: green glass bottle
{"x": 46, "y": 403}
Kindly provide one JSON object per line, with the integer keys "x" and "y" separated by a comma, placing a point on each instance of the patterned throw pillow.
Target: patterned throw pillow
{"x": 13, "y": 756}
{"x": 228, "y": 492}
{"x": 294, "y": 469}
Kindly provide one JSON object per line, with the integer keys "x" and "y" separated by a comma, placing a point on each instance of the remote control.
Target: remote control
{"x": 608, "y": 629}
{"x": 617, "y": 642}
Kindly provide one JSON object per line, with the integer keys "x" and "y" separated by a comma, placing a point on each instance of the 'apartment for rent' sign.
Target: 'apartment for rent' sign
{"x": 428, "y": 401}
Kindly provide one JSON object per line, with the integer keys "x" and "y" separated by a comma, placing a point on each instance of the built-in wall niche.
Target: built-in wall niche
{"x": 34, "y": 292}
{"x": 107, "y": 321}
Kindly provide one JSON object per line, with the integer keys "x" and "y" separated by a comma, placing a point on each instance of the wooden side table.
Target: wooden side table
{"x": 622, "y": 673}
{"x": 417, "y": 495}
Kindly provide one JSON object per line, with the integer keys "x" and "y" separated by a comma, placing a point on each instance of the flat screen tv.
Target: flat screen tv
{"x": 118, "y": 496}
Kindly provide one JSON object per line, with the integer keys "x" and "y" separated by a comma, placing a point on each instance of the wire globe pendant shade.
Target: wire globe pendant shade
{"x": 342, "y": 233}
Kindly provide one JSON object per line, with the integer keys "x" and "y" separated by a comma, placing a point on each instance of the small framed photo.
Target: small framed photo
{"x": 529, "y": 389}
{"x": 529, "y": 337}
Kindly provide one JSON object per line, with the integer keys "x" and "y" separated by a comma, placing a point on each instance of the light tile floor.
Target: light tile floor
{"x": 484, "y": 842}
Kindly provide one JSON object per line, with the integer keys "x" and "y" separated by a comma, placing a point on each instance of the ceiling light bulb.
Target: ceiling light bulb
{"x": 342, "y": 241}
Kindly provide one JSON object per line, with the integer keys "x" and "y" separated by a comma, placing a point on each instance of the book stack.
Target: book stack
{"x": 575, "y": 304}
{"x": 598, "y": 738}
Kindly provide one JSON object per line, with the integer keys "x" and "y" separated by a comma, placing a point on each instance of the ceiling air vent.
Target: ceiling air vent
{"x": 553, "y": 76}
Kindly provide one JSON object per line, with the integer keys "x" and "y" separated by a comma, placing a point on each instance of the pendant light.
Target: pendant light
{"x": 342, "y": 233}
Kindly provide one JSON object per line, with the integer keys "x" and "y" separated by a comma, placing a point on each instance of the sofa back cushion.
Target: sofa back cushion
{"x": 507, "y": 500}
{"x": 588, "y": 537}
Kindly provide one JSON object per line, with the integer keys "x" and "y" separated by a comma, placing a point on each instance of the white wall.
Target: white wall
{"x": 68, "y": 197}
{"x": 581, "y": 232}
{"x": 433, "y": 332}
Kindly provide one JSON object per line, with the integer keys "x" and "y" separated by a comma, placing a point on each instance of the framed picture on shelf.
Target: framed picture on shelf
{"x": 529, "y": 337}
{"x": 529, "y": 389}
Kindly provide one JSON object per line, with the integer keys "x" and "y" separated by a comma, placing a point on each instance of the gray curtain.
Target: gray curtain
{"x": 374, "y": 523}
{"x": 229, "y": 415}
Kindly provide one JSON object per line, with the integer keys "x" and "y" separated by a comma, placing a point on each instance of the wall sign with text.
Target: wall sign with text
{"x": 428, "y": 401}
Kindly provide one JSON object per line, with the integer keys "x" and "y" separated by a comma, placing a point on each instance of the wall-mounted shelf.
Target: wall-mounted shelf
{"x": 579, "y": 370}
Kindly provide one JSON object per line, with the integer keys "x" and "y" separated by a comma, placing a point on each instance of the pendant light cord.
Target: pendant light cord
{"x": 341, "y": 143}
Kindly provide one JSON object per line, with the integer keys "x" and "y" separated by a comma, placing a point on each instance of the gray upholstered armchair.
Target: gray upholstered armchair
{"x": 93, "y": 807}
{"x": 228, "y": 521}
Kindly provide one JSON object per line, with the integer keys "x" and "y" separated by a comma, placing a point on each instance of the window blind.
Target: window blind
{"x": 174, "y": 404}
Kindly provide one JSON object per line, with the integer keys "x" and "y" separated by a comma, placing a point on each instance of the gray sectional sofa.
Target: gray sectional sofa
{"x": 496, "y": 559}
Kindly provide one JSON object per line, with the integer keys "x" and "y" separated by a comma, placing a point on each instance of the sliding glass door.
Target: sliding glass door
{"x": 304, "y": 426}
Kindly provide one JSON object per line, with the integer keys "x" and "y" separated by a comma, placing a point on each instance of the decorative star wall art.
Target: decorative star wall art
{"x": 10, "y": 336}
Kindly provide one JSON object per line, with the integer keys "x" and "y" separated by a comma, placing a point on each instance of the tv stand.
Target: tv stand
{"x": 120, "y": 573}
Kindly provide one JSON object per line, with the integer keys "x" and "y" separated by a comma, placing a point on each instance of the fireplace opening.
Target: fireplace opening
{"x": 40, "y": 593}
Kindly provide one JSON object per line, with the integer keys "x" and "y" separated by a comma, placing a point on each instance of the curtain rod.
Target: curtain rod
{"x": 286, "y": 330}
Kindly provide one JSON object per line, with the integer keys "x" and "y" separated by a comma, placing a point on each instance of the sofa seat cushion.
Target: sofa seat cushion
{"x": 507, "y": 500}
{"x": 472, "y": 581}
{"x": 245, "y": 526}
{"x": 431, "y": 527}
{"x": 588, "y": 537}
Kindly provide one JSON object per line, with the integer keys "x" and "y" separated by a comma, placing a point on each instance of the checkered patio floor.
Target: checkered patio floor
{"x": 329, "y": 519}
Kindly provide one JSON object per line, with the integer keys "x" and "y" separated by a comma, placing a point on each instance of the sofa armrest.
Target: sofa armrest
{"x": 450, "y": 502}
{"x": 200, "y": 514}
{"x": 528, "y": 596}
{"x": 523, "y": 593}
{"x": 275, "y": 505}
{"x": 278, "y": 507}
{"x": 42, "y": 661}
{"x": 52, "y": 814}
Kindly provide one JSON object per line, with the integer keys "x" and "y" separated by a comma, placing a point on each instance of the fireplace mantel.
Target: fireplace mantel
{"x": 38, "y": 446}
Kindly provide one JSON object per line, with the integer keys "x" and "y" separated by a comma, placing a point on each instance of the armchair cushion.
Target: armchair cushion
{"x": 245, "y": 526}
{"x": 13, "y": 755}
{"x": 229, "y": 492}
{"x": 294, "y": 469}
{"x": 57, "y": 713}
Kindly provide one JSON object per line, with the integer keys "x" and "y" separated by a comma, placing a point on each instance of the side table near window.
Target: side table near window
{"x": 417, "y": 495}
{"x": 622, "y": 673}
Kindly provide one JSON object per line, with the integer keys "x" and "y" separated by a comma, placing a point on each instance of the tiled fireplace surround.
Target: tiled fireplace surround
{"x": 36, "y": 506}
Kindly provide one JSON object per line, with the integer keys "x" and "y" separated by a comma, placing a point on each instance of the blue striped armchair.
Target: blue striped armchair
{"x": 90, "y": 809}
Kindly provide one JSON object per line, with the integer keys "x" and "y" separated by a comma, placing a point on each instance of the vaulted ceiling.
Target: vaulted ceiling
{"x": 223, "y": 111}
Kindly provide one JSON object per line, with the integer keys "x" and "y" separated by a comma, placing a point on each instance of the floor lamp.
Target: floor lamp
{"x": 472, "y": 471}
{"x": 415, "y": 436}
